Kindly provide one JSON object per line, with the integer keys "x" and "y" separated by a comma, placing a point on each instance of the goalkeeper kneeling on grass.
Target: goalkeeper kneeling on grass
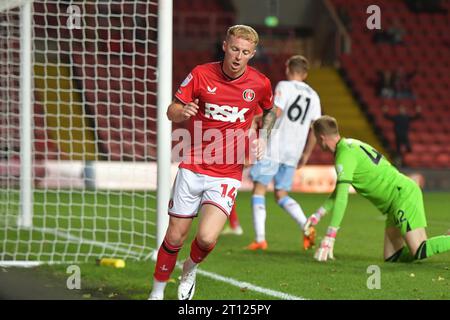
{"x": 394, "y": 194}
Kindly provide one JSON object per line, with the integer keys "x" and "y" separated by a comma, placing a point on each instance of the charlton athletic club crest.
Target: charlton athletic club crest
{"x": 248, "y": 95}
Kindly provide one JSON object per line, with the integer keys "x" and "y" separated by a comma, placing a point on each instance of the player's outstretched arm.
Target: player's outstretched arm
{"x": 315, "y": 218}
{"x": 325, "y": 250}
{"x": 179, "y": 112}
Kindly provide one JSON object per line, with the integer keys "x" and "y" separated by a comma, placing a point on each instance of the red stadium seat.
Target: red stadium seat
{"x": 443, "y": 160}
{"x": 424, "y": 52}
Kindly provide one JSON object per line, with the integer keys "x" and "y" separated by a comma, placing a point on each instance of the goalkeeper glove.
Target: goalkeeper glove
{"x": 325, "y": 250}
{"x": 313, "y": 220}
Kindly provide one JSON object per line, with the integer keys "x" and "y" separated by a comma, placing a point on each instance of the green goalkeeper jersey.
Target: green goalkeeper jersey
{"x": 372, "y": 176}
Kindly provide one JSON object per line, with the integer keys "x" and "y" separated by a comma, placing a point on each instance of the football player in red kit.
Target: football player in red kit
{"x": 218, "y": 100}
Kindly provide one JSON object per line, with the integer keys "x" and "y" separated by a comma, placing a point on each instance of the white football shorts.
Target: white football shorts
{"x": 191, "y": 190}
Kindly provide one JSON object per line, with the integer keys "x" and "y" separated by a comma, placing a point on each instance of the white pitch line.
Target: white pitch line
{"x": 215, "y": 276}
{"x": 20, "y": 264}
{"x": 249, "y": 286}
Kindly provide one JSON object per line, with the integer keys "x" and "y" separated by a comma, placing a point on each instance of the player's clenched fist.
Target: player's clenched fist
{"x": 190, "y": 109}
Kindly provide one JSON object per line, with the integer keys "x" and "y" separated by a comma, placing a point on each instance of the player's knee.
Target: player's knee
{"x": 277, "y": 197}
{"x": 174, "y": 240}
{"x": 175, "y": 237}
{"x": 259, "y": 189}
{"x": 280, "y": 194}
{"x": 206, "y": 241}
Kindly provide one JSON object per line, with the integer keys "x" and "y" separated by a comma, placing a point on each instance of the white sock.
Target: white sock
{"x": 188, "y": 265}
{"x": 158, "y": 288}
{"x": 259, "y": 217}
{"x": 293, "y": 208}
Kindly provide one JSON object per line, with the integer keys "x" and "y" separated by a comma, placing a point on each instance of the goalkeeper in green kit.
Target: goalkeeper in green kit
{"x": 394, "y": 194}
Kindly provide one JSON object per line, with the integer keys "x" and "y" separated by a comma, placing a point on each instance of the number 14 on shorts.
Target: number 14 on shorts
{"x": 229, "y": 193}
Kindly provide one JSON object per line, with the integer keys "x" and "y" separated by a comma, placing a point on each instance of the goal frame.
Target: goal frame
{"x": 164, "y": 127}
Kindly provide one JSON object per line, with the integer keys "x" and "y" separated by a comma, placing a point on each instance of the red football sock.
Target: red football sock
{"x": 165, "y": 263}
{"x": 198, "y": 254}
{"x": 234, "y": 220}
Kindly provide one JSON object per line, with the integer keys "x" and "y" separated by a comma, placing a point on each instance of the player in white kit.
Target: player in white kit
{"x": 290, "y": 145}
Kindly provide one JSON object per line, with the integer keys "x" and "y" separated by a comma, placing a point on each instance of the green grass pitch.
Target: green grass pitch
{"x": 284, "y": 267}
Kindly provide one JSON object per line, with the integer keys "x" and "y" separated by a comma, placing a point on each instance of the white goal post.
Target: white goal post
{"x": 165, "y": 53}
{"x": 85, "y": 158}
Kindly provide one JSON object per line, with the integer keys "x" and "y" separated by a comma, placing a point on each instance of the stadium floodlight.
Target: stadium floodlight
{"x": 85, "y": 145}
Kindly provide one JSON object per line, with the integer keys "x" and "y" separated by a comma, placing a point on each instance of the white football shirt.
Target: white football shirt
{"x": 301, "y": 106}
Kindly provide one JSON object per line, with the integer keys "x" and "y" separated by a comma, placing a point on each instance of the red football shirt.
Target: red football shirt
{"x": 227, "y": 107}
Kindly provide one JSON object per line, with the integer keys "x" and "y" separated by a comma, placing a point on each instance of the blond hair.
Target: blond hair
{"x": 243, "y": 32}
{"x": 325, "y": 125}
{"x": 297, "y": 64}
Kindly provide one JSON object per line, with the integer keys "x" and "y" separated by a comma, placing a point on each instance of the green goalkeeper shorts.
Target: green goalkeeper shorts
{"x": 407, "y": 212}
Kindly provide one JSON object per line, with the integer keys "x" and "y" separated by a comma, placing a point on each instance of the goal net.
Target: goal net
{"x": 78, "y": 149}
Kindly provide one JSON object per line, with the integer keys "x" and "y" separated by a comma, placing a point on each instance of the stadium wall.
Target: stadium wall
{"x": 116, "y": 175}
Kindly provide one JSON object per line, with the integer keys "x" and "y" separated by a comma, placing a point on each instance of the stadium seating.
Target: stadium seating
{"x": 109, "y": 68}
{"x": 109, "y": 94}
{"x": 44, "y": 146}
{"x": 424, "y": 52}
{"x": 118, "y": 91}
{"x": 113, "y": 98}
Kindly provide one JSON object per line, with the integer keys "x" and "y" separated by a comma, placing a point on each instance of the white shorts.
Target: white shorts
{"x": 191, "y": 190}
